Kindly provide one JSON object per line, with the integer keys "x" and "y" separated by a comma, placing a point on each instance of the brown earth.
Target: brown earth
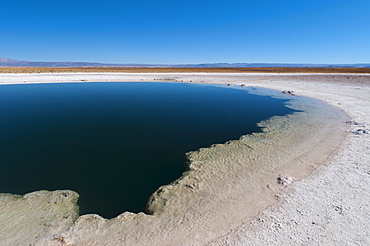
{"x": 180, "y": 70}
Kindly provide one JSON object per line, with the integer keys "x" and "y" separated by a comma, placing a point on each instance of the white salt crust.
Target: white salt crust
{"x": 257, "y": 190}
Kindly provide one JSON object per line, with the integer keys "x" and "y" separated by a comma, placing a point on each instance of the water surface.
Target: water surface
{"x": 116, "y": 143}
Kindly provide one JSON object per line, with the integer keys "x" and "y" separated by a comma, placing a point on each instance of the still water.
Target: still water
{"x": 116, "y": 143}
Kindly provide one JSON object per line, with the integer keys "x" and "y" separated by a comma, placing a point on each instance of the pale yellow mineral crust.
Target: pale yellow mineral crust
{"x": 26, "y": 219}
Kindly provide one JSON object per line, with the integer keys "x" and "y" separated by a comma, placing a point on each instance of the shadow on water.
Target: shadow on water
{"x": 116, "y": 143}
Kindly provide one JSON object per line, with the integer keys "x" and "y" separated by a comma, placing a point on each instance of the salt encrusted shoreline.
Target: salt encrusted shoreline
{"x": 329, "y": 207}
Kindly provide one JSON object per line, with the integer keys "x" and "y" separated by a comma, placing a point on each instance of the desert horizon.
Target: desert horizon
{"x": 355, "y": 70}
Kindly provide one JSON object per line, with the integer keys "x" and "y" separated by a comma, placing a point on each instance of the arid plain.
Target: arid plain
{"x": 318, "y": 193}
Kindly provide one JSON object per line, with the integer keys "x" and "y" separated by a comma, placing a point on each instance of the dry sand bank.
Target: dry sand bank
{"x": 220, "y": 202}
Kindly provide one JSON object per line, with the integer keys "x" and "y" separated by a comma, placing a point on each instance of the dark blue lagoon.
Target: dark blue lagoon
{"x": 116, "y": 143}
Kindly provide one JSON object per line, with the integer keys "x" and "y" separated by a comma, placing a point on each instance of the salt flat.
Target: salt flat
{"x": 329, "y": 207}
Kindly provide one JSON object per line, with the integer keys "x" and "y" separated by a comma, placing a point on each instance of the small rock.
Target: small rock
{"x": 288, "y": 92}
{"x": 339, "y": 209}
{"x": 361, "y": 131}
{"x": 59, "y": 238}
{"x": 356, "y": 123}
{"x": 192, "y": 186}
{"x": 284, "y": 180}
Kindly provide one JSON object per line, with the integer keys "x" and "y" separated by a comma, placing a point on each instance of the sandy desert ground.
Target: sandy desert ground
{"x": 328, "y": 207}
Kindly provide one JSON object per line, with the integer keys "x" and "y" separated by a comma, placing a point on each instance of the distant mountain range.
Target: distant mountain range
{"x": 7, "y": 62}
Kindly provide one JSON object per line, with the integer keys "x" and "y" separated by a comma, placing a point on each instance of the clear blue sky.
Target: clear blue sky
{"x": 186, "y": 31}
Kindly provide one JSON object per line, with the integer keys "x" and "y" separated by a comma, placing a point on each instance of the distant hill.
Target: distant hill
{"x": 7, "y": 62}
